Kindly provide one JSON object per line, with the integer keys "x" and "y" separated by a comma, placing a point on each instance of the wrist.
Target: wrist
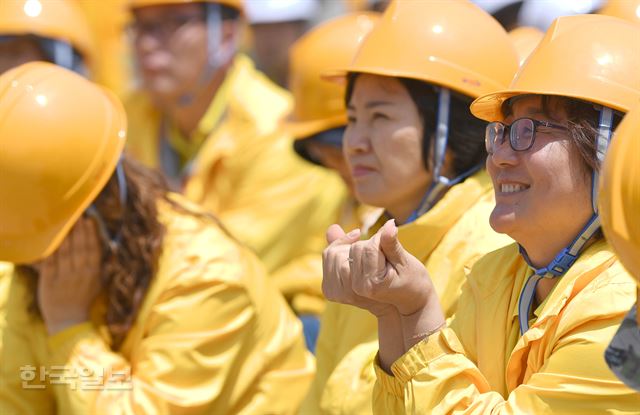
{"x": 421, "y": 324}
{"x": 385, "y": 312}
{"x": 390, "y": 340}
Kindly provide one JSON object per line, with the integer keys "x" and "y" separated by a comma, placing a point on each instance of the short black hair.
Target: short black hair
{"x": 466, "y": 132}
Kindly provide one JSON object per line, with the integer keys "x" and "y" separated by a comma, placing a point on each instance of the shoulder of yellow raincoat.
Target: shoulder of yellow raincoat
{"x": 480, "y": 364}
{"x": 212, "y": 336}
{"x": 448, "y": 240}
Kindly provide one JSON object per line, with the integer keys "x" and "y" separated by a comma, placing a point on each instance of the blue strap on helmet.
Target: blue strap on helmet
{"x": 556, "y": 268}
{"x": 63, "y": 54}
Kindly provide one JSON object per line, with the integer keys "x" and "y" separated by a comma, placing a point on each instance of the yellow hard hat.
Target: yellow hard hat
{"x": 319, "y": 105}
{"x": 620, "y": 192}
{"x": 624, "y": 9}
{"x": 61, "y": 138}
{"x": 587, "y": 57}
{"x": 525, "y": 39}
{"x": 453, "y": 43}
{"x": 236, "y": 4}
{"x": 59, "y": 19}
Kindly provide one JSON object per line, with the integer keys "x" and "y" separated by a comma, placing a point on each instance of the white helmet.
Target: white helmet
{"x": 278, "y": 11}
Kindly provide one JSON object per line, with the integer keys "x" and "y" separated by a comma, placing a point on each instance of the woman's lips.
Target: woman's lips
{"x": 360, "y": 171}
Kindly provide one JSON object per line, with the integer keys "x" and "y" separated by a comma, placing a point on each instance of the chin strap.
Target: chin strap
{"x": 568, "y": 256}
{"x": 440, "y": 183}
{"x": 217, "y": 55}
{"x": 557, "y": 268}
{"x": 112, "y": 241}
{"x": 605, "y": 131}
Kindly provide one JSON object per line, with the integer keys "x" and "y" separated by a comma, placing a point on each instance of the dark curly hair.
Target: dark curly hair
{"x": 128, "y": 270}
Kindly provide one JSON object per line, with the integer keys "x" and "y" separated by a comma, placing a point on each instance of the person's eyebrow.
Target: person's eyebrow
{"x": 372, "y": 104}
{"x": 534, "y": 111}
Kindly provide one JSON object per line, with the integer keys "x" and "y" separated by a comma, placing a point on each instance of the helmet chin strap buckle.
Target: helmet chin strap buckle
{"x": 561, "y": 263}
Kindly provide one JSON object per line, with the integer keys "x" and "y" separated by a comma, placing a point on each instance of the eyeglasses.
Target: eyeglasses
{"x": 164, "y": 28}
{"x": 522, "y": 133}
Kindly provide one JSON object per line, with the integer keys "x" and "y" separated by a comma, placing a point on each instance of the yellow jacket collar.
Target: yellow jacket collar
{"x": 593, "y": 261}
{"x": 188, "y": 147}
{"x": 423, "y": 235}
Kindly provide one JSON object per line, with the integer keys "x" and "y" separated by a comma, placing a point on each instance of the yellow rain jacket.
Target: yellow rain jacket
{"x": 480, "y": 364}
{"x": 452, "y": 235}
{"x": 246, "y": 172}
{"x": 212, "y": 337}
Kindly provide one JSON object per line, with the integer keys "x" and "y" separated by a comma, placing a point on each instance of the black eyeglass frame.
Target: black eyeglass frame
{"x": 490, "y": 144}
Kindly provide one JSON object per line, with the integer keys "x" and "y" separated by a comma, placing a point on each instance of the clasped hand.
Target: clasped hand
{"x": 377, "y": 274}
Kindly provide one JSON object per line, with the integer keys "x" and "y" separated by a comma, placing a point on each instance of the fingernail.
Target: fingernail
{"x": 353, "y": 233}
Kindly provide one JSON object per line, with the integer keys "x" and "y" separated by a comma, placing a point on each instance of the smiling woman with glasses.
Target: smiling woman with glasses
{"x": 534, "y": 318}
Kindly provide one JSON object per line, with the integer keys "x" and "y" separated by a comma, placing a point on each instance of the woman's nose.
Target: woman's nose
{"x": 502, "y": 153}
{"x": 356, "y": 140}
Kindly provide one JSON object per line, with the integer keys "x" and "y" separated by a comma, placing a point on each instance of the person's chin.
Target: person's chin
{"x": 160, "y": 86}
{"x": 502, "y": 220}
{"x": 369, "y": 195}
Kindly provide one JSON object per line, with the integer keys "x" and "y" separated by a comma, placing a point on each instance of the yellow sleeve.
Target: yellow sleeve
{"x": 435, "y": 377}
{"x": 22, "y": 390}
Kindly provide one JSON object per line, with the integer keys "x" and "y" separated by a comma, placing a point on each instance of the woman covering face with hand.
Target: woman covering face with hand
{"x": 414, "y": 149}
{"x": 123, "y": 298}
{"x": 534, "y": 318}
